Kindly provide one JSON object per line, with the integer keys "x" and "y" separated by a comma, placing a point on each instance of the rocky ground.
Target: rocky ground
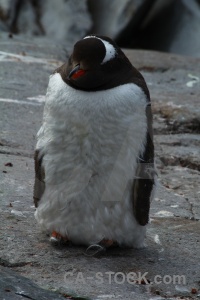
{"x": 28, "y": 263}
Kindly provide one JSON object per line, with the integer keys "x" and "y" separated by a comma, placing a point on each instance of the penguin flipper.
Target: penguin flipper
{"x": 144, "y": 183}
{"x": 39, "y": 185}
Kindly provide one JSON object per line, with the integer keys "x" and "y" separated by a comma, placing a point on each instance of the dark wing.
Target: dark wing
{"x": 39, "y": 185}
{"x": 143, "y": 185}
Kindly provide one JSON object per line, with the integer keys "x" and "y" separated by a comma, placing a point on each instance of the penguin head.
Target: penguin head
{"x": 96, "y": 63}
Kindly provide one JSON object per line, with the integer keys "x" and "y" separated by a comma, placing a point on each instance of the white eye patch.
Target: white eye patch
{"x": 110, "y": 50}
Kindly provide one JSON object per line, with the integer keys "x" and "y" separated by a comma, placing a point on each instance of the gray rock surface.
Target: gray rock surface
{"x": 173, "y": 237}
{"x": 16, "y": 287}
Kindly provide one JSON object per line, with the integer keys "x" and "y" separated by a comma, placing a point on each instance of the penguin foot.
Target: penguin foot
{"x": 108, "y": 243}
{"x": 56, "y": 238}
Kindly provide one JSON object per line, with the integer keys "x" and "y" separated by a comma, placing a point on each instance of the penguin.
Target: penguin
{"x": 94, "y": 157}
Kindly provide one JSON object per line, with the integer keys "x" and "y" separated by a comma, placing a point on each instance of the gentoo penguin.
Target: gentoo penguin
{"x": 94, "y": 158}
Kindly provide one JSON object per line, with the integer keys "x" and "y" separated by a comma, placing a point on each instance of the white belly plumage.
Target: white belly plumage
{"x": 91, "y": 142}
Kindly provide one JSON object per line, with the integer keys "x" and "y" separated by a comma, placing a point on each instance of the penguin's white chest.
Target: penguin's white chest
{"x": 91, "y": 142}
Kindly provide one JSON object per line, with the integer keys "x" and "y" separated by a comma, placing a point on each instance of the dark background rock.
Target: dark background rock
{"x": 170, "y": 26}
{"x": 115, "y": 16}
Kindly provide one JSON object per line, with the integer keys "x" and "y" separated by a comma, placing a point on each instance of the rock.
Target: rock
{"x": 185, "y": 24}
{"x": 123, "y": 13}
{"x": 173, "y": 235}
{"x": 171, "y": 26}
{"x": 14, "y": 287}
{"x": 172, "y": 80}
{"x": 23, "y": 90}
